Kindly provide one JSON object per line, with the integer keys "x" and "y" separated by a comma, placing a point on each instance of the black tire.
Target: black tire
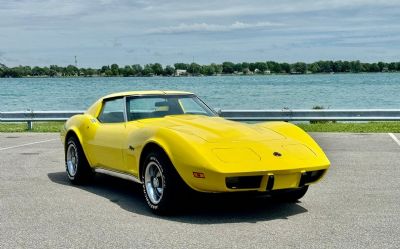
{"x": 292, "y": 195}
{"x": 166, "y": 201}
{"x": 76, "y": 165}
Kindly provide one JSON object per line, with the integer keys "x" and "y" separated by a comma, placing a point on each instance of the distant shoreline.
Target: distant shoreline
{"x": 196, "y": 70}
{"x": 192, "y": 76}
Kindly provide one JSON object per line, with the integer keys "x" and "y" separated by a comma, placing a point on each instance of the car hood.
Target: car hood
{"x": 236, "y": 144}
{"x": 216, "y": 129}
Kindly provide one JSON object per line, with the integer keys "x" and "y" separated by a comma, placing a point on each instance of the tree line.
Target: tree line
{"x": 195, "y": 69}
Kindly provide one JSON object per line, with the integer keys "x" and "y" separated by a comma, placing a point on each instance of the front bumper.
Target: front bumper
{"x": 256, "y": 181}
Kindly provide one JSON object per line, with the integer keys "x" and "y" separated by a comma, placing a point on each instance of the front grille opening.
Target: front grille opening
{"x": 242, "y": 182}
{"x": 311, "y": 176}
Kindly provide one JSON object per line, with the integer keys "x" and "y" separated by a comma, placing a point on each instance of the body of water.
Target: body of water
{"x": 334, "y": 91}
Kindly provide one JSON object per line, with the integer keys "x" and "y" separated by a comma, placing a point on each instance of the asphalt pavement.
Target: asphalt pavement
{"x": 357, "y": 204}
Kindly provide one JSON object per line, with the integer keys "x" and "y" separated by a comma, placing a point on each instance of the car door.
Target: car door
{"x": 106, "y": 144}
{"x": 137, "y": 109}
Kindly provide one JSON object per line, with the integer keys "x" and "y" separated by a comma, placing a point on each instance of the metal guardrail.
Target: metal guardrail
{"x": 36, "y": 116}
{"x": 313, "y": 115}
{"x": 236, "y": 115}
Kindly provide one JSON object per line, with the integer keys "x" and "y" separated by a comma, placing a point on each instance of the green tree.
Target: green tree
{"x": 70, "y": 70}
{"x": 337, "y": 66}
{"x": 325, "y": 66}
{"x": 228, "y": 67}
{"x": 252, "y": 67}
{"x": 108, "y": 73}
{"x": 169, "y": 70}
{"x": 245, "y": 66}
{"x": 37, "y": 71}
{"x": 299, "y": 67}
{"x": 314, "y": 68}
{"x": 261, "y": 66}
{"x": 58, "y": 70}
{"x": 238, "y": 67}
{"x": 346, "y": 66}
{"x": 217, "y": 68}
{"x": 127, "y": 71}
{"x": 355, "y": 66}
{"x": 2, "y": 69}
{"x": 285, "y": 67}
{"x": 52, "y": 73}
{"x": 104, "y": 69}
{"x": 114, "y": 69}
{"x": 157, "y": 68}
{"x": 392, "y": 66}
{"x": 90, "y": 72}
{"x": 147, "y": 70}
{"x": 194, "y": 68}
{"x": 46, "y": 71}
{"x": 181, "y": 66}
{"x": 398, "y": 66}
{"x": 382, "y": 66}
{"x": 207, "y": 70}
{"x": 274, "y": 67}
{"x": 137, "y": 69}
{"x": 374, "y": 68}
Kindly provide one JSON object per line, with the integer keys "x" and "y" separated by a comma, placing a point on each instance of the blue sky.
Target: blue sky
{"x": 45, "y": 32}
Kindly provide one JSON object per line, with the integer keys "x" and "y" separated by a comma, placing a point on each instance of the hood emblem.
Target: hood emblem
{"x": 277, "y": 154}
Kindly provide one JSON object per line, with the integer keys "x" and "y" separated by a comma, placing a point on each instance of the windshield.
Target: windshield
{"x": 160, "y": 106}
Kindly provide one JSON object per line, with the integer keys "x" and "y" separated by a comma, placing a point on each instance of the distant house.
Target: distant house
{"x": 180, "y": 72}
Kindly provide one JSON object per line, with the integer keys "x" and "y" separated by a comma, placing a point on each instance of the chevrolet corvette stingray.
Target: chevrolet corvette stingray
{"x": 171, "y": 140}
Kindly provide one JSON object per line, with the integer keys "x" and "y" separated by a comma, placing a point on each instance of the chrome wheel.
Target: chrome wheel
{"x": 154, "y": 182}
{"x": 72, "y": 159}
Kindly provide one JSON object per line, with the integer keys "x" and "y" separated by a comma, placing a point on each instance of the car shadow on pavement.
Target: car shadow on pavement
{"x": 199, "y": 209}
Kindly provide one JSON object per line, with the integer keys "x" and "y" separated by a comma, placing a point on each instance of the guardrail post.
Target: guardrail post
{"x": 30, "y": 125}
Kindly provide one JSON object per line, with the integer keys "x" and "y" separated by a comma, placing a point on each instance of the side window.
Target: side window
{"x": 140, "y": 108}
{"x": 113, "y": 111}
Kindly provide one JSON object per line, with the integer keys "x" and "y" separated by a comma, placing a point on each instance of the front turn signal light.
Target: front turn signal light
{"x": 199, "y": 175}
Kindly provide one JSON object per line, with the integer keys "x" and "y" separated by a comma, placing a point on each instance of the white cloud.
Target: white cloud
{"x": 205, "y": 27}
{"x": 181, "y": 10}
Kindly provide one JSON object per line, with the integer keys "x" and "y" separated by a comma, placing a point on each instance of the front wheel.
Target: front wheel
{"x": 76, "y": 164}
{"x": 161, "y": 183}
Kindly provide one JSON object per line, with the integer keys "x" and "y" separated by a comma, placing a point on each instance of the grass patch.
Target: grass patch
{"x": 315, "y": 127}
{"x": 37, "y": 127}
{"x": 370, "y": 127}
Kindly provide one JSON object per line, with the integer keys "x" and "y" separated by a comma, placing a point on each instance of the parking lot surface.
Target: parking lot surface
{"x": 357, "y": 204}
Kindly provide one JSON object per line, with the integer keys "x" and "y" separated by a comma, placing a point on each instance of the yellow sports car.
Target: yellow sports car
{"x": 170, "y": 140}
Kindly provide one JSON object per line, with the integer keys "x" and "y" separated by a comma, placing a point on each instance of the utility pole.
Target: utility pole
{"x": 76, "y": 62}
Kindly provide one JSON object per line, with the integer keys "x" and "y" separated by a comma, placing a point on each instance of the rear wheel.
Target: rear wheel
{"x": 290, "y": 195}
{"x": 162, "y": 186}
{"x": 76, "y": 164}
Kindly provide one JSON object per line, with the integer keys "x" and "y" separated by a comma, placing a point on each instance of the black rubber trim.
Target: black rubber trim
{"x": 303, "y": 179}
{"x": 243, "y": 182}
{"x": 270, "y": 183}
